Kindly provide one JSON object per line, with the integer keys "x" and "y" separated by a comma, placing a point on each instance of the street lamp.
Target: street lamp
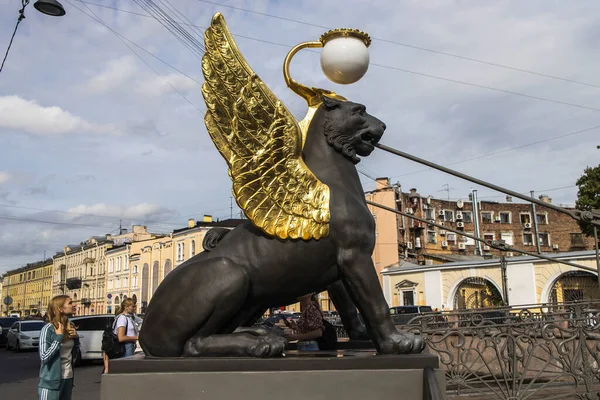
{"x": 50, "y": 7}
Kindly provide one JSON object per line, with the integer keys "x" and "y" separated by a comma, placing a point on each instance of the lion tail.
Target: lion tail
{"x": 213, "y": 237}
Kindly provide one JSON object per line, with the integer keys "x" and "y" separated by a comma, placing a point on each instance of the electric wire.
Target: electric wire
{"x": 24, "y": 4}
{"x": 389, "y": 67}
{"x": 98, "y": 20}
{"x": 409, "y": 46}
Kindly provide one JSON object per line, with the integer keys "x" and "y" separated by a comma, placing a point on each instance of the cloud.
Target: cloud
{"x": 4, "y": 177}
{"x": 132, "y": 212}
{"x": 28, "y": 116}
{"x": 161, "y": 85}
{"x": 117, "y": 72}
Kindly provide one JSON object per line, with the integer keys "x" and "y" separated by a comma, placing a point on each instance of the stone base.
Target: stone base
{"x": 342, "y": 374}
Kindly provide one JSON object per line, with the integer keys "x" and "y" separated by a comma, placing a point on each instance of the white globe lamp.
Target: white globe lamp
{"x": 345, "y": 58}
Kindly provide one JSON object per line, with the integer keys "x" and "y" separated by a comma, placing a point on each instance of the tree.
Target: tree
{"x": 588, "y": 195}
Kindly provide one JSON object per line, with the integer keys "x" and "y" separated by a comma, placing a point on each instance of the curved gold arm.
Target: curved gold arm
{"x": 301, "y": 90}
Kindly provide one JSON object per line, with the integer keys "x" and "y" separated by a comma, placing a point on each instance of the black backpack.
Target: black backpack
{"x": 328, "y": 340}
{"x": 110, "y": 342}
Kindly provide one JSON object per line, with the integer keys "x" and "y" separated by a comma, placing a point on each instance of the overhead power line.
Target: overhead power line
{"x": 456, "y": 81}
{"x": 409, "y": 45}
{"x": 24, "y": 4}
{"x": 506, "y": 150}
{"x": 121, "y": 38}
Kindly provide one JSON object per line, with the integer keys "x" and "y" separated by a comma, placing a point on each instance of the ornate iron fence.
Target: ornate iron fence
{"x": 549, "y": 351}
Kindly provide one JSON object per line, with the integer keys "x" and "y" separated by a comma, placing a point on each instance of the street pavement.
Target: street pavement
{"x": 19, "y": 377}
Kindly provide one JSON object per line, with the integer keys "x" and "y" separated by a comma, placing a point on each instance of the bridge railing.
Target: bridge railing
{"x": 545, "y": 351}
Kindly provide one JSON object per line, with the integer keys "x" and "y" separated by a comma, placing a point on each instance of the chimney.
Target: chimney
{"x": 382, "y": 183}
{"x": 191, "y": 223}
{"x": 207, "y": 218}
{"x": 413, "y": 196}
{"x": 545, "y": 198}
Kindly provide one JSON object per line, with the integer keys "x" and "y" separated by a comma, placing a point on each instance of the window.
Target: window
{"x": 192, "y": 248}
{"x": 431, "y": 238}
{"x": 507, "y": 237}
{"x": 451, "y": 237}
{"x": 110, "y": 284}
{"x": 449, "y": 215}
{"x": 542, "y": 219}
{"x": 134, "y": 282}
{"x": 111, "y": 265}
{"x": 118, "y": 283}
{"x": 134, "y": 270}
{"x": 126, "y": 263}
{"x": 488, "y": 236}
{"x": 505, "y": 217}
{"x": 125, "y": 282}
{"x": 92, "y": 324}
{"x": 467, "y": 217}
{"x": 486, "y": 217}
{"x": 525, "y": 218}
{"x": 118, "y": 264}
{"x": 577, "y": 240}
{"x": 528, "y": 239}
{"x": 430, "y": 213}
{"x": 544, "y": 239}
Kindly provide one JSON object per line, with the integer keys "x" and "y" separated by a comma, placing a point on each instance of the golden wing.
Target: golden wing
{"x": 262, "y": 144}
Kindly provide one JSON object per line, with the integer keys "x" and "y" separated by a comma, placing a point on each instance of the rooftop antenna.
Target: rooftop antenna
{"x": 447, "y": 189}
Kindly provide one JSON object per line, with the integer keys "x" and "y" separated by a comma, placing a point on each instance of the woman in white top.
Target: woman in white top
{"x": 125, "y": 328}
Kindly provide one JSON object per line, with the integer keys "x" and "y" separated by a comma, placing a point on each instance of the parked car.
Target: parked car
{"x": 90, "y": 329}
{"x": 5, "y": 324}
{"x": 401, "y": 315}
{"x": 24, "y": 335}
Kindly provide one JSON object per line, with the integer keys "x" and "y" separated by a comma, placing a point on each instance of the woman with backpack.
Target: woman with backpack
{"x": 56, "y": 349}
{"x": 125, "y": 332}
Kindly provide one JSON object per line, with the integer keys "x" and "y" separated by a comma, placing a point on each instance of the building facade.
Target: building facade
{"x": 520, "y": 225}
{"x": 28, "y": 289}
{"x": 486, "y": 283}
{"x": 136, "y": 269}
{"x": 80, "y": 270}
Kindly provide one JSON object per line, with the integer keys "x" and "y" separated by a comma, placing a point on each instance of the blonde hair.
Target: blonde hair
{"x": 126, "y": 303}
{"x": 55, "y": 316}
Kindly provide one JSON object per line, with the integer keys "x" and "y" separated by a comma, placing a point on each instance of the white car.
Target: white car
{"x": 24, "y": 335}
{"x": 90, "y": 329}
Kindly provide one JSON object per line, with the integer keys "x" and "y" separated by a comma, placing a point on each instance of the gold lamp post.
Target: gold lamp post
{"x": 344, "y": 60}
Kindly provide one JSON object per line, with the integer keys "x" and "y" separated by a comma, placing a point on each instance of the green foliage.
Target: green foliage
{"x": 588, "y": 195}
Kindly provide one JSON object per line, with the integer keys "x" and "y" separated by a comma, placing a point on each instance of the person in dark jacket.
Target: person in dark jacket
{"x": 56, "y": 349}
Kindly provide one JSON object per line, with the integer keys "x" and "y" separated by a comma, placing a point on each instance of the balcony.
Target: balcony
{"x": 74, "y": 283}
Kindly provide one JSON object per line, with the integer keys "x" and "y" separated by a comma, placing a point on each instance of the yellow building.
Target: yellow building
{"x": 80, "y": 270}
{"x": 136, "y": 269}
{"x": 29, "y": 289}
{"x": 485, "y": 283}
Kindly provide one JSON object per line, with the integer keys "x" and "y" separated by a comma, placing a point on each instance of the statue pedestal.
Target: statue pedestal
{"x": 342, "y": 374}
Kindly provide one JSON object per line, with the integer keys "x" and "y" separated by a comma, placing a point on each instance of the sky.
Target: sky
{"x": 101, "y": 115}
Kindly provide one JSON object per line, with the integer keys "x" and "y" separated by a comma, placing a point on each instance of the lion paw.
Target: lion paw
{"x": 402, "y": 343}
{"x": 268, "y": 346}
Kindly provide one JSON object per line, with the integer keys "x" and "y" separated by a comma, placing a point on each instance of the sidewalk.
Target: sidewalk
{"x": 87, "y": 386}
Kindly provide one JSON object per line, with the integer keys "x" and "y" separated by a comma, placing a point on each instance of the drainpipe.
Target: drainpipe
{"x": 476, "y": 221}
{"x": 535, "y": 227}
{"x": 596, "y": 245}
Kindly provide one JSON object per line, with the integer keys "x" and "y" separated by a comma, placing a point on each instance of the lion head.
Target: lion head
{"x": 349, "y": 129}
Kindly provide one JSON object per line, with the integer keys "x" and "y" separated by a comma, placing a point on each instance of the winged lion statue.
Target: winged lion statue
{"x": 308, "y": 228}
